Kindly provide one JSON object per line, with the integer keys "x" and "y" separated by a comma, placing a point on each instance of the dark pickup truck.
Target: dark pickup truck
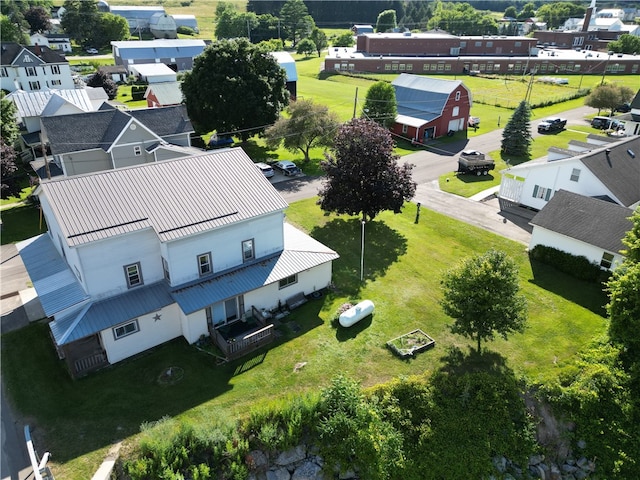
{"x": 552, "y": 125}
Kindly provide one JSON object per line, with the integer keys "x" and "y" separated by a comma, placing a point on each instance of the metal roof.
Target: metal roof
{"x": 167, "y": 93}
{"x": 423, "y": 97}
{"x": 32, "y": 104}
{"x": 286, "y": 61}
{"x": 56, "y": 285}
{"x": 223, "y": 188}
{"x": 301, "y": 252}
{"x": 110, "y": 312}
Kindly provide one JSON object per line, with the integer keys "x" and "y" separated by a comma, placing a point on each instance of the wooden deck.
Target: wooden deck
{"x": 256, "y": 335}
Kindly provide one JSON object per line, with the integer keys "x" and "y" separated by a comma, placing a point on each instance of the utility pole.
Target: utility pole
{"x": 355, "y": 103}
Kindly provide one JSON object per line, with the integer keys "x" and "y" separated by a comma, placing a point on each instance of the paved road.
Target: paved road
{"x": 431, "y": 163}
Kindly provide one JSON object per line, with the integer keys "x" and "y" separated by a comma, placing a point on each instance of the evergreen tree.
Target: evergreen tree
{"x": 8, "y": 125}
{"x": 516, "y": 137}
{"x": 386, "y": 21}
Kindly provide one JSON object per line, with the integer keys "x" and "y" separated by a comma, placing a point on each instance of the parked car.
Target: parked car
{"x": 554, "y": 124}
{"x": 92, "y": 51}
{"x": 265, "y": 169}
{"x": 624, "y": 108}
{"x": 219, "y": 141}
{"x": 606, "y": 123}
{"x": 473, "y": 122}
{"x": 287, "y": 168}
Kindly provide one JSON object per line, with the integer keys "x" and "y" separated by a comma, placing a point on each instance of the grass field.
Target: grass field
{"x": 404, "y": 262}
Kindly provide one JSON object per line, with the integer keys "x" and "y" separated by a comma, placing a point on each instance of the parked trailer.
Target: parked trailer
{"x": 474, "y": 162}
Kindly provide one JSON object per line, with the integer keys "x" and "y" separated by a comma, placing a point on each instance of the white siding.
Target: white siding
{"x": 151, "y": 334}
{"x": 542, "y": 236}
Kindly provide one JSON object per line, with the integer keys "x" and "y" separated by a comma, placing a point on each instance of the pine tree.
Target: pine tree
{"x": 516, "y": 137}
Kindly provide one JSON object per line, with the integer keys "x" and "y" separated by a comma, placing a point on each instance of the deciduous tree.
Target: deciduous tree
{"x": 306, "y": 47}
{"x": 319, "y": 39}
{"x": 516, "y": 136}
{"x": 462, "y": 19}
{"x": 343, "y": 40}
{"x": 363, "y": 176}
{"x": 482, "y": 295}
{"x": 387, "y": 21}
{"x": 101, "y": 79}
{"x": 625, "y": 44}
{"x": 8, "y": 124}
{"x": 554, "y": 14}
{"x": 307, "y": 125}
{"x": 11, "y": 32}
{"x": 608, "y": 96}
{"x": 80, "y": 20}
{"x": 235, "y": 87}
{"x": 380, "y": 104}
{"x": 8, "y": 168}
{"x": 38, "y": 18}
{"x": 109, "y": 28}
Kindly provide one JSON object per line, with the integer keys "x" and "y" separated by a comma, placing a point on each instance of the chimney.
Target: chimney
{"x": 587, "y": 17}
{"x": 37, "y": 50}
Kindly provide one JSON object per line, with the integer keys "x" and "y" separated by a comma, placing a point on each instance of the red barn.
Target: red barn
{"x": 430, "y": 107}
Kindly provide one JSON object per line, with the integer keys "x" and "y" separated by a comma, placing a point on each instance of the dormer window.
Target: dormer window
{"x": 204, "y": 263}
{"x": 133, "y": 274}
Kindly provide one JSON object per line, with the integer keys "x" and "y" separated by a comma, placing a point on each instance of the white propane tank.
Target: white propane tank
{"x": 356, "y": 313}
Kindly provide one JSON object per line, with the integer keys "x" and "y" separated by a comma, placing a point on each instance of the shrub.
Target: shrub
{"x": 576, "y": 266}
{"x": 137, "y": 92}
{"x": 184, "y": 30}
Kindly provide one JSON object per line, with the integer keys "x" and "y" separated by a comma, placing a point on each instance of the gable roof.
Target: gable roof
{"x": 618, "y": 168}
{"x": 32, "y": 104}
{"x": 590, "y": 220}
{"x": 87, "y": 131}
{"x": 9, "y": 51}
{"x": 423, "y": 97}
{"x": 167, "y": 93}
{"x": 224, "y": 187}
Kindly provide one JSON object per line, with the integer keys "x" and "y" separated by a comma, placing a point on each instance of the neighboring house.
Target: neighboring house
{"x": 632, "y": 118}
{"x": 131, "y": 260}
{"x": 176, "y": 54}
{"x": 286, "y": 61}
{"x": 610, "y": 171}
{"x": 33, "y": 68}
{"x": 30, "y": 106}
{"x": 111, "y": 138}
{"x": 583, "y": 226}
{"x": 153, "y": 73}
{"x": 117, "y": 73}
{"x": 57, "y": 42}
{"x": 430, "y": 107}
{"x": 362, "y": 29}
{"x": 163, "y": 94}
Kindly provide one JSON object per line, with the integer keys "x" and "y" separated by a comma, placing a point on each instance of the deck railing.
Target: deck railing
{"x": 240, "y": 346}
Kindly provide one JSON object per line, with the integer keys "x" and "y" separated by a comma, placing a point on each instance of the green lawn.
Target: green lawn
{"x": 77, "y": 420}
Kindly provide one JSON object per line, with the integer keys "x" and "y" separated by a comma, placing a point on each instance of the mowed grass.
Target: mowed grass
{"x": 403, "y": 265}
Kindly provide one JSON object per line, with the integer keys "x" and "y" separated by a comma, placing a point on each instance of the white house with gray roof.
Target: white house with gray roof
{"x": 33, "y": 68}
{"x": 191, "y": 247}
{"x": 111, "y": 138}
{"x": 610, "y": 171}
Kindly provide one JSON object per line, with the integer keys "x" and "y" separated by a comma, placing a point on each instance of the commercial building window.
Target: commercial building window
{"x": 409, "y": 67}
{"x": 125, "y": 329}
{"x": 290, "y": 280}
{"x": 489, "y": 44}
{"x": 247, "y": 250}
{"x": 541, "y": 192}
{"x": 55, "y": 69}
{"x": 434, "y": 67}
{"x": 543, "y": 67}
{"x": 463, "y": 44}
{"x": 447, "y": 67}
{"x": 133, "y": 274}
{"x": 387, "y": 67}
{"x": 441, "y": 67}
{"x": 478, "y": 44}
{"x": 517, "y": 44}
{"x": 336, "y": 66}
{"x": 607, "y": 260}
{"x": 496, "y": 67}
{"x": 394, "y": 67}
{"x": 576, "y": 67}
{"x": 575, "y": 174}
{"x": 425, "y": 67}
{"x": 204, "y": 263}
{"x": 402, "y": 66}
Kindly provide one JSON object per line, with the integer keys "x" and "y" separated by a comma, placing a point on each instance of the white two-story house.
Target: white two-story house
{"x": 33, "y": 68}
{"x": 191, "y": 247}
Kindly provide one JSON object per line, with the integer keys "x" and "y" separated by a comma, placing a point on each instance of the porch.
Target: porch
{"x": 84, "y": 356}
{"x": 241, "y": 337}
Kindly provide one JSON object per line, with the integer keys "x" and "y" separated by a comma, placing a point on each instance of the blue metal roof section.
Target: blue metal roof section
{"x": 422, "y": 97}
{"x": 194, "y": 297}
{"x": 110, "y": 312}
{"x": 161, "y": 52}
{"x": 57, "y": 287}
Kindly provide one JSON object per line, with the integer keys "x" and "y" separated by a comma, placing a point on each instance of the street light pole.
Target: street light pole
{"x": 606, "y": 65}
{"x": 362, "y": 254}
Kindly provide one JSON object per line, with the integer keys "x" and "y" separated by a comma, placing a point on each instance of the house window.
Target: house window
{"x": 290, "y": 280}
{"x": 607, "y": 260}
{"x": 456, "y": 111}
{"x": 575, "y": 174}
{"x": 133, "y": 274}
{"x": 541, "y": 192}
{"x": 204, "y": 263}
{"x": 56, "y": 82}
{"x": 247, "y": 250}
{"x": 125, "y": 329}
{"x": 165, "y": 270}
{"x": 3, "y": 72}
{"x": 55, "y": 69}
{"x": 137, "y": 150}
{"x": 458, "y": 94}
{"x": 34, "y": 85}
{"x": 31, "y": 72}
{"x": 405, "y": 128}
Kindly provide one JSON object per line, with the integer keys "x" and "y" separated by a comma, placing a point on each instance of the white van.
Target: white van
{"x": 265, "y": 169}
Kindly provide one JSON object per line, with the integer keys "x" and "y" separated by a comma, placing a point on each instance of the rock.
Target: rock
{"x": 568, "y": 468}
{"x": 536, "y": 459}
{"x": 582, "y": 462}
{"x": 257, "y": 460}
{"x": 278, "y": 474}
{"x": 580, "y": 474}
{"x": 500, "y": 463}
{"x": 554, "y": 473}
{"x": 582, "y": 444}
{"x": 307, "y": 471}
{"x": 293, "y": 455}
{"x": 348, "y": 475}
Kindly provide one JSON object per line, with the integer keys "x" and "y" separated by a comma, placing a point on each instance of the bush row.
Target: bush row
{"x": 576, "y": 266}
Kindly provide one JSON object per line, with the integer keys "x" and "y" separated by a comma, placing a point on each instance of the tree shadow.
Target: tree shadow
{"x": 589, "y": 295}
{"x": 382, "y": 247}
{"x": 457, "y": 362}
{"x": 349, "y": 333}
